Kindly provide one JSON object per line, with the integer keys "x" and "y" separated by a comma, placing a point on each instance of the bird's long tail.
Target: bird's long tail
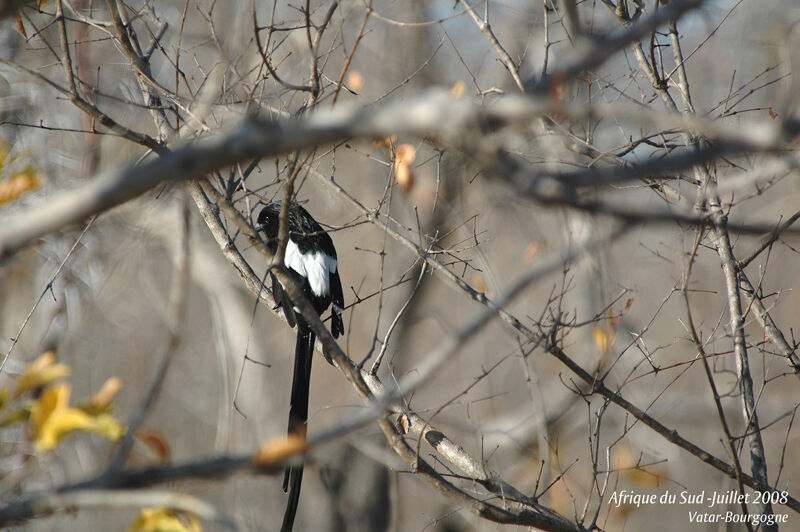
{"x": 298, "y": 414}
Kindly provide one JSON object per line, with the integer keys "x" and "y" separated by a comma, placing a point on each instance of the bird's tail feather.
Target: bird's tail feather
{"x": 298, "y": 414}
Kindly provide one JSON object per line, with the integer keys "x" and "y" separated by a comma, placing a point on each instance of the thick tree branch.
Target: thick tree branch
{"x": 434, "y": 114}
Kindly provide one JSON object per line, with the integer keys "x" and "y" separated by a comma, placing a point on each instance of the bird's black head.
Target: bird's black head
{"x": 267, "y": 221}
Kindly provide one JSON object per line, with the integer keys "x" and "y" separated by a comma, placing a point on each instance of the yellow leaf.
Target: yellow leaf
{"x": 459, "y": 89}
{"x": 52, "y": 419}
{"x": 164, "y": 520}
{"x": 278, "y": 449}
{"x": 17, "y": 185}
{"x": 603, "y": 338}
{"x": 40, "y": 372}
{"x": 480, "y": 284}
{"x": 3, "y": 397}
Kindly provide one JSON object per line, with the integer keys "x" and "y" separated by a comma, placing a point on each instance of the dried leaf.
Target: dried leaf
{"x": 276, "y": 450}
{"x": 385, "y": 143}
{"x": 603, "y": 338}
{"x": 165, "y": 520}
{"x": 403, "y": 423}
{"x": 530, "y": 252}
{"x": 19, "y": 25}
{"x": 628, "y": 304}
{"x": 405, "y": 154}
{"x": 480, "y": 284}
{"x": 355, "y": 81}
{"x": 40, "y": 372}
{"x": 459, "y": 89}
{"x": 17, "y": 185}
{"x": 772, "y": 114}
{"x": 156, "y": 442}
{"x": 52, "y": 419}
{"x": 404, "y": 177}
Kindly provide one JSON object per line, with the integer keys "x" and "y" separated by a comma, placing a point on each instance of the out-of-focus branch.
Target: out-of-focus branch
{"x": 47, "y": 502}
{"x": 45, "y": 290}
{"x": 176, "y": 318}
{"x": 52, "y": 502}
{"x": 94, "y": 112}
{"x": 597, "y": 51}
{"x": 434, "y": 114}
{"x": 9, "y": 7}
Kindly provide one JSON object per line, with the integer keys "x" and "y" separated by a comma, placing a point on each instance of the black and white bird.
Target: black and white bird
{"x": 311, "y": 261}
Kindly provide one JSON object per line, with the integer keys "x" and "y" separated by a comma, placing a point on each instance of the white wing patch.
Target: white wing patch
{"x": 294, "y": 259}
{"x": 316, "y": 268}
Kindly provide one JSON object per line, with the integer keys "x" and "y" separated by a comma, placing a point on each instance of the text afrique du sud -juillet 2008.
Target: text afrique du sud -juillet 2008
{"x": 716, "y": 501}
